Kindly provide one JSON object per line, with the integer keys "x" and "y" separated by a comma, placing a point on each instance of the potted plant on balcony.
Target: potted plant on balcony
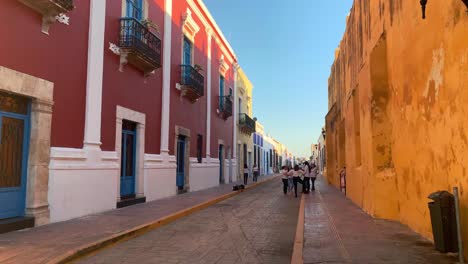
{"x": 149, "y": 24}
{"x": 198, "y": 67}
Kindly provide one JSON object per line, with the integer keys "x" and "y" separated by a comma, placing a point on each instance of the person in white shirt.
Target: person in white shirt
{"x": 255, "y": 173}
{"x": 313, "y": 175}
{"x": 246, "y": 174}
{"x": 296, "y": 173}
{"x": 306, "y": 184}
{"x": 290, "y": 179}
{"x": 284, "y": 178}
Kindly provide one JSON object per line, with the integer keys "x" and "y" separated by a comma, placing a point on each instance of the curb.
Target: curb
{"x": 82, "y": 251}
{"x": 299, "y": 239}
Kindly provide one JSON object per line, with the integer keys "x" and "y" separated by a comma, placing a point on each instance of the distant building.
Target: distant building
{"x": 246, "y": 125}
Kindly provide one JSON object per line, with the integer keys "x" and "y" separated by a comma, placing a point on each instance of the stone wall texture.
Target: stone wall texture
{"x": 398, "y": 111}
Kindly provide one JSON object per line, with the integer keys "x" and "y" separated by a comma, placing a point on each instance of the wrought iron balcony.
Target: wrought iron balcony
{"x": 49, "y": 9}
{"x": 225, "y": 106}
{"x": 191, "y": 82}
{"x": 246, "y": 124}
{"x": 139, "y": 46}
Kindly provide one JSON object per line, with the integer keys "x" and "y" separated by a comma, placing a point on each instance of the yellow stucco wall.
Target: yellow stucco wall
{"x": 244, "y": 92}
{"x": 398, "y": 92}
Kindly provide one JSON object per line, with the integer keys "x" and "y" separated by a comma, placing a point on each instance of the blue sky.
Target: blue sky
{"x": 286, "y": 49}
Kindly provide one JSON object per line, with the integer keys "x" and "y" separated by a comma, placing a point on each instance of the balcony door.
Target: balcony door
{"x": 135, "y": 9}
{"x": 187, "y": 52}
{"x": 221, "y": 92}
{"x": 14, "y": 143}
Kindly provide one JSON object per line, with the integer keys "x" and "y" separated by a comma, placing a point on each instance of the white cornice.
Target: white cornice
{"x": 189, "y": 26}
{"x": 226, "y": 49}
{"x": 223, "y": 66}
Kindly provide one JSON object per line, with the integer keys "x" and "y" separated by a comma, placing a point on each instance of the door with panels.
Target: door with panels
{"x": 180, "y": 181}
{"x": 14, "y": 147}
{"x": 128, "y": 160}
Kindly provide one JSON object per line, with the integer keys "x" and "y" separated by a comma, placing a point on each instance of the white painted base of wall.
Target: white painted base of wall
{"x": 81, "y": 182}
{"x": 160, "y": 177}
{"x": 87, "y": 181}
{"x": 203, "y": 175}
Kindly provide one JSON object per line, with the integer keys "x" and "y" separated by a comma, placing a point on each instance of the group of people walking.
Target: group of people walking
{"x": 304, "y": 175}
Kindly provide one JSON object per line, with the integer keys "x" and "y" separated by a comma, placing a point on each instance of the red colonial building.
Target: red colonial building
{"x": 105, "y": 104}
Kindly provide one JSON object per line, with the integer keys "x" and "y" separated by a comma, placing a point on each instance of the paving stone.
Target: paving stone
{"x": 254, "y": 227}
{"x": 41, "y": 244}
{"x": 337, "y": 231}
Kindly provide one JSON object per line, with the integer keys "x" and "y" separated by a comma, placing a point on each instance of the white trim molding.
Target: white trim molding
{"x": 166, "y": 68}
{"x": 209, "y": 32}
{"x": 97, "y": 20}
{"x": 235, "y": 68}
{"x": 223, "y": 66}
{"x": 189, "y": 26}
{"x": 225, "y": 48}
{"x": 41, "y": 93}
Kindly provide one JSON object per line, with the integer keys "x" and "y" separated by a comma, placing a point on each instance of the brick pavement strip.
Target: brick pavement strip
{"x": 253, "y": 227}
{"x": 60, "y": 242}
{"x": 337, "y": 231}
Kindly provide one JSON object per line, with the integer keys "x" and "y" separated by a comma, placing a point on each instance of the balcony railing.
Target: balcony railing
{"x": 246, "y": 124}
{"x": 192, "y": 82}
{"x": 141, "y": 47}
{"x": 225, "y": 106}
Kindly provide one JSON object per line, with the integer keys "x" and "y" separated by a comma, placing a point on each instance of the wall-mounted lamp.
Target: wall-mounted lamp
{"x": 466, "y": 3}
{"x": 423, "y": 7}
{"x": 424, "y": 3}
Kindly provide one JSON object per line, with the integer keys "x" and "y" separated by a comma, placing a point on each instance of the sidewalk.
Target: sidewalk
{"x": 337, "y": 231}
{"x": 47, "y": 243}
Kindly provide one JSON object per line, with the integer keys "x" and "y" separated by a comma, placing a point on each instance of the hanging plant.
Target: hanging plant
{"x": 148, "y": 23}
{"x": 198, "y": 67}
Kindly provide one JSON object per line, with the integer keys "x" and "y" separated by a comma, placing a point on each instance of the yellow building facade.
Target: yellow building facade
{"x": 397, "y": 115}
{"x": 246, "y": 124}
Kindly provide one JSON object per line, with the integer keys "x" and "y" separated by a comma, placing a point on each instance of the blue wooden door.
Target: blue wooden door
{"x": 14, "y": 147}
{"x": 135, "y": 9}
{"x": 180, "y": 162}
{"x": 128, "y": 163}
{"x": 221, "y": 164}
{"x": 187, "y": 57}
{"x": 221, "y": 92}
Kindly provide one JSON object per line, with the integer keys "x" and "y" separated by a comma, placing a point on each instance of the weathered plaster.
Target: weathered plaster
{"x": 413, "y": 115}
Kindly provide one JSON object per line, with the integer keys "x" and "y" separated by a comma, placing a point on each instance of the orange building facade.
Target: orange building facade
{"x": 397, "y": 115}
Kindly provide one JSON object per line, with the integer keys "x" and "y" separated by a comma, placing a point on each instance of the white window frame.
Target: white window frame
{"x": 189, "y": 30}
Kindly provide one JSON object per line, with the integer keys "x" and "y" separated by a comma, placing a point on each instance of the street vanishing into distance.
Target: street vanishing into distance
{"x": 233, "y": 132}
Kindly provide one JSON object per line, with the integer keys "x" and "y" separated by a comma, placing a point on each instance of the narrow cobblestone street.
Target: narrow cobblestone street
{"x": 257, "y": 226}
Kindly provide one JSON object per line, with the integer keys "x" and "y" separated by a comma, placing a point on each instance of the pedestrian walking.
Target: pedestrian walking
{"x": 313, "y": 175}
{"x": 246, "y": 174}
{"x": 290, "y": 179}
{"x": 255, "y": 173}
{"x": 306, "y": 184}
{"x": 296, "y": 173}
{"x": 284, "y": 178}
